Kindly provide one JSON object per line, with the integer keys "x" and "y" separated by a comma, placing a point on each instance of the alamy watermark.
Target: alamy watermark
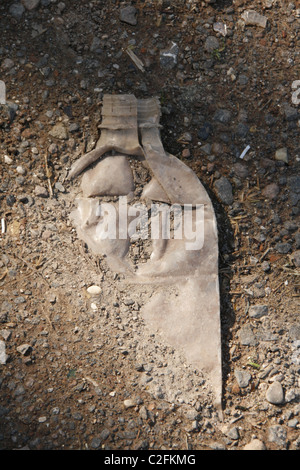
{"x": 160, "y": 221}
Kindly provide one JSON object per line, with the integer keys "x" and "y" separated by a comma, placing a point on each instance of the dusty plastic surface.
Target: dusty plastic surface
{"x": 112, "y": 176}
{"x": 184, "y": 306}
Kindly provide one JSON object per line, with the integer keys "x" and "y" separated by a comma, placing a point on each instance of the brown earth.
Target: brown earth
{"x": 67, "y": 389}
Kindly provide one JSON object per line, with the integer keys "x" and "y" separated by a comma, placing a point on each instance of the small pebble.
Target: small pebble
{"x": 277, "y": 434}
{"x": 96, "y": 443}
{"x": 186, "y": 153}
{"x": 8, "y": 160}
{"x": 10, "y": 200}
{"x": 271, "y": 191}
{"x": 31, "y": 4}
{"x": 255, "y": 444}
{"x": 283, "y": 248}
{"x": 24, "y": 349}
{"x": 6, "y": 334}
{"x": 42, "y": 419}
{"x": 211, "y": 44}
{"x": 223, "y": 116}
{"x": 243, "y": 378}
{"x": 295, "y": 258}
{"x": 52, "y": 298}
{"x": 21, "y": 170}
{"x": 223, "y": 189}
{"x": 94, "y": 290}
{"x": 293, "y": 423}
{"x": 275, "y": 394}
{"x": 231, "y": 433}
{"x": 59, "y": 187}
{"x": 246, "y": 336}
{"x": 129, "y": 403}
{"x": 59, "y": 131}
{"x": 41, "y": 191}
{"x": 258, "y": 311}
{"x": 53, "y": 148}
{"x": 128, "y": 15}
{"x": 265, "y": 266}
{"x": 168, "y": 57}
{"x": 282, "y": 155}
{"x": 16, "y": 10}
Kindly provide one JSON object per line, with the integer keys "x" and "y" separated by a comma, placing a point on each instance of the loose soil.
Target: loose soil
{"x": 93, "y": 376}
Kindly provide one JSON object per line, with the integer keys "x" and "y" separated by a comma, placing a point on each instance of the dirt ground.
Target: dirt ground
{"x": 79, "y": 373}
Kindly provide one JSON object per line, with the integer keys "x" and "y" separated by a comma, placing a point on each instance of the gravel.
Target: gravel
{"x": 71, "y": 361}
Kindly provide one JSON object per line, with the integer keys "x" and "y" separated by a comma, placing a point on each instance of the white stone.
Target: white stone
{"x": 94, "y": 290}
{"x": 21, "y": 170}
{"x": 282, "y": 155}
{"x": 42, "y": 419}
{"x": 129, "y": 403}
{"x": 8, "y": 160}
{"x": 255, "y": 444}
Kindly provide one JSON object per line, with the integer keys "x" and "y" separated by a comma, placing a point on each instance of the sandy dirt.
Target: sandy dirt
{"x": 79, "y": 372}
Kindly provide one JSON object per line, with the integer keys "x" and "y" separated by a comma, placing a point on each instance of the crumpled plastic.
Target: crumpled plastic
{"x": 185, "y": 304}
